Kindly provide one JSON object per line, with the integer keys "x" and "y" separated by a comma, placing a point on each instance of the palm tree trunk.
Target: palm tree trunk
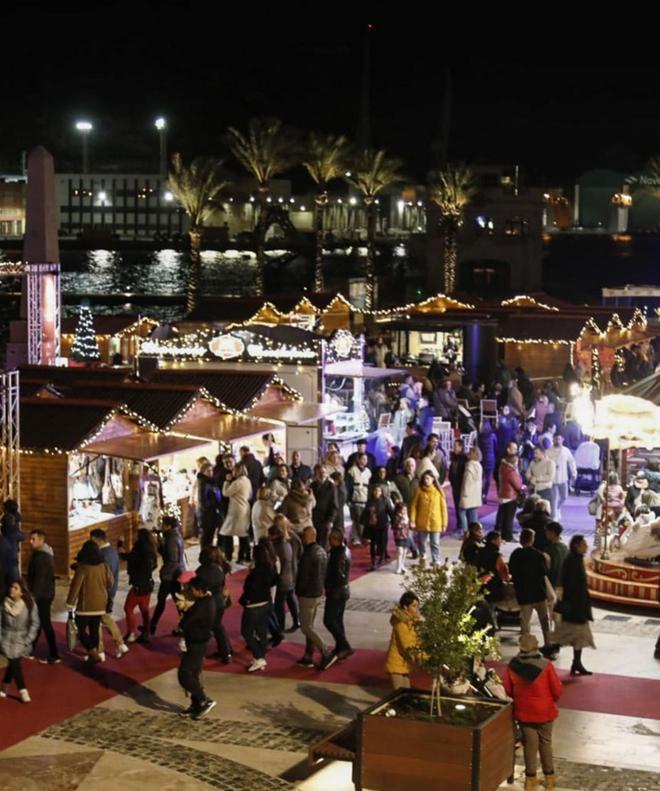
{"x": 450, "y": 257}
{"x": 371, "y": 256}
{"x": 319, "y": 217}
{"x": 195, "y": 272}
{"x": 260, "y": 243}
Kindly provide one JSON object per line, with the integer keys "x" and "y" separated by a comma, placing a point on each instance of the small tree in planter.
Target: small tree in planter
{"x": 447, "y": 634}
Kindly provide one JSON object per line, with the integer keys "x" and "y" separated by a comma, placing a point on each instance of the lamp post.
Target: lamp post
{"x": 84, "y": 127}
{"x": 161, "y": 126}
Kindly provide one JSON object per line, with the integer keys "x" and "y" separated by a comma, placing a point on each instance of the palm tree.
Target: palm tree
{"x": 325, "y": 159}
{"x": 372, "y": 172}
{"x": 452, "y": 189}
{"x": 196, "y": 186}
{"x": 266, "y": 150}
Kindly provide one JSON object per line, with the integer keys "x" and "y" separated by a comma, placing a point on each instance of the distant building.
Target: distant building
{"x": 12, "y": 206}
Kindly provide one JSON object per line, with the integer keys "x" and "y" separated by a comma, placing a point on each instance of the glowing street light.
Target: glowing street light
{"x": 161, "y": 125}
{"x": 84, "y": 127}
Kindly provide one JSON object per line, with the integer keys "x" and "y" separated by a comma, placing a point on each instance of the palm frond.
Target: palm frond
{"x": 326, "y": 157}
{"x": 197, "y": 185}
{"x": 267, "y": 149}
{"x": 373, "y": 170}
{"x": 453, "y": 188}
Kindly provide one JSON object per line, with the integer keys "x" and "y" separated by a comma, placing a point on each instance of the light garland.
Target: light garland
{"x": 526, "y": 301}
{"x": 442, "y": 302}
{"x": 85, "y": 345}
{"x": 542, "y": 341}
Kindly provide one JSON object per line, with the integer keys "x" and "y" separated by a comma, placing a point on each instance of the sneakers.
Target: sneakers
{"x": 188, "y": 712}
{"x": 25, "y": 696}
{"x": 130, "y": 638}
{"x": 51, "y": 660}
{"x": 305, "y": 662}
{"x": 204, "y": 710}
{"x": 101, "y": 656}
{"x": 328, "y": 661}
{"x": 257, "y": 664}
{"x": 3, "y": 690}
{"x": 122, "y": 649}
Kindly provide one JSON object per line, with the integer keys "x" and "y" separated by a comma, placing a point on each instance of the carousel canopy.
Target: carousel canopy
{"x": 627, "y": 422}
{"x": 648, "y": 388}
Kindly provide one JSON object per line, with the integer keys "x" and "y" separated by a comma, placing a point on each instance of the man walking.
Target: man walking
{"x": 541, "y": 473}
{"x": 456, "y": 473}
{"x": 337, "y": 592}
{"x": 529, "y": 571}
{"x": 358, "y": 477}
{"x": 41, "y": 584}
{"x": 565, "y": 472}
{"x": 197, "y": 625}
{"x": 171, "y": 550}
{"x": 111, "y": 560}
{"x": 310, "y": 585}
{"x": 326, "y": 506}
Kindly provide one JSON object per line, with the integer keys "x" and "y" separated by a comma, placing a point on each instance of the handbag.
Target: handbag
{"x": 592, "y": 505}
{"x": 71, "y": 632}
{"x": 226, "y": 597}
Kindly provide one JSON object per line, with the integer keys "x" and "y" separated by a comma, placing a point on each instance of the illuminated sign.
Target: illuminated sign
{"x": 227, "y": 347}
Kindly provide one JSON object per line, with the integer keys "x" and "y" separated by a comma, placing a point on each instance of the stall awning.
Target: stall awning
{"x": 356, "y": 369}
{"x": 143, "y": 446}
{"x": 296, "y": 413}
{"x": 227, "y": 427}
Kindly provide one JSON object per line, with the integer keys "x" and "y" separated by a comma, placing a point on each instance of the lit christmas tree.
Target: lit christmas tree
{"x": 85, "y": 346}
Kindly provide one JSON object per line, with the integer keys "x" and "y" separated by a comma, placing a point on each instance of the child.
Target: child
{"x": 401, "y": 532}
{"x": 19, "y": 623}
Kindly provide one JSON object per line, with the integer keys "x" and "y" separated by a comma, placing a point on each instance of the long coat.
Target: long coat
{"x": 428, "y": 510}
{"x": 17, "y": 632}
{"x": 576, "y": 604}
{"x": 237, "y": 521}
{"x": 471, "y": 486}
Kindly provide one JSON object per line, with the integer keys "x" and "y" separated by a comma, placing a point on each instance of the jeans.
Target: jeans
{"x": 466, "y": 516}
{"x": 537, "y": 738}
{"x": 43, "y": 608}
{"x": 89, "y": 629}
{"x": 544, "y": 494}
{"x": 14, "y": 672}
{"x": 541, "y": 608}
{"x": 333, "y": 620}
{"x": 308, "y": 608}
{"x": 108, "y": 623}
{"x": 165, "y": 589}
{"x": 504, "y": 519}
{"x": 254, "y": 628}
{"x": 190, "y": 672}
{"x": 422, "y": 537}
{"x": 141, "y": 601}
{"x": 559, "y": 495}
{"x": 288, "y": 597}
{"x": 356, "y": 510}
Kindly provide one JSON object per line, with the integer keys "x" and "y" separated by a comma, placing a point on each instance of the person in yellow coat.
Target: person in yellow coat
{"x": 404, "y": 641}
{"x": 428, "y": 516}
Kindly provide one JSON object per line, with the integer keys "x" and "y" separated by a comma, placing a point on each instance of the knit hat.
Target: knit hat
{"x": 528, "y": 643}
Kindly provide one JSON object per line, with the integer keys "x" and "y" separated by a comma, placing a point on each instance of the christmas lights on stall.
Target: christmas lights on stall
{"x": 85, "y": 345}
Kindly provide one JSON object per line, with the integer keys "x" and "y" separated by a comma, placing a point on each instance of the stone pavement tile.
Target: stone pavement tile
{"x": 62, "y": 772}
{"x": 115, "y": 771}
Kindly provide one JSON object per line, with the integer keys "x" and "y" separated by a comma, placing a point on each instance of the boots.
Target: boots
{"x": 531, "y": 783}
{"x": 578, "y": 669}
{"x": 550, "y": 781}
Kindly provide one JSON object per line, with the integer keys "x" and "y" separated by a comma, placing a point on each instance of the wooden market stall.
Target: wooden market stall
{"x": 115, "y": 335}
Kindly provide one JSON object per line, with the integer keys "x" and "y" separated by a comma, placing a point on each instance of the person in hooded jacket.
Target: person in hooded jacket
{"x": 19, "y": 623}
{"x": 141, "y": 562}
{"x": 213, "y": 570}
{"x": 10, "y": 527}
{"x": 337, "y": 592}
{"x": 532, "y": 682}
{"x": 197, "y": 625}
{"x": 399, "y": 661}
{"x": 40, "y": 580}
{"x": 298, "y": 505}
{"x": 257, "y": 603}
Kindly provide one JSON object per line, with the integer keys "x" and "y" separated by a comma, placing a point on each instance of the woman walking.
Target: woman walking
{"x": 238, "y": 489}
{"x": 471, "y": 491}
{"x": 141, "y": 562}
{"x": 19, "y": 623}
{"x": 376, "y": 519}
{"x": 212, "y": 570}
{"x": 532, "y": 682}
{"x": 286, "y": 582}
{"x": 297, "y": 506}
{"x": 428, "y": 516}
{"x": 256, "y": 603}
{"x": 88, "y": 595}
{"x": 575, "y": 606}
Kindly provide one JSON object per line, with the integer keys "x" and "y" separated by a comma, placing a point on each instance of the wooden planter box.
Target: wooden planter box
{"x": 397, "y": 753}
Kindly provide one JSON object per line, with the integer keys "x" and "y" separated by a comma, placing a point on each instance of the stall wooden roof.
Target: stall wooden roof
{"x": 144, "y": 446}
{"x": 54, "y": 374}
{"x": 53, "y": 424}
{"x": 296, "y": 413}
{"x": 226, "y": 427}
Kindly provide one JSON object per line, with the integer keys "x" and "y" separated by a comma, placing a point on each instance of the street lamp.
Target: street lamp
{"x": 161, "y": 126}
{"x": 84, "y": 127}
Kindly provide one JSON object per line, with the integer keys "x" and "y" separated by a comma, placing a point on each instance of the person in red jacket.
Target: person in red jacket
{"x": 509, "y": 488}
{"x": 532, "y": 682}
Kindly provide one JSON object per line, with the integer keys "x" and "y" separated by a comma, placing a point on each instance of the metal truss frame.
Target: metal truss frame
{"x": 33, "y": 273}
{"x": 10, "y": 446}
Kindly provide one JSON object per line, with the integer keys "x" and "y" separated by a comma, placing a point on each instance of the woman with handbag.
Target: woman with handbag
{"x": 19, "y": 624}
{"x": 141, "y": 562}
{"x": 213, "y": 570}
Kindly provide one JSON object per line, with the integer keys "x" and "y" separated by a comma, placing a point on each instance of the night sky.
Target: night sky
{"x": 121, "y": 65}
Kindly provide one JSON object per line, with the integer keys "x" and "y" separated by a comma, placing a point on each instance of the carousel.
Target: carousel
{"x": 625, "y": 570}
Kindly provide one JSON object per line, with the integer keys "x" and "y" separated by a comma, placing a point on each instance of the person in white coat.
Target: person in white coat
{"x": 471, "y": 494}
{"x": 263, "y": 512}
{"x": 238, "y": 490}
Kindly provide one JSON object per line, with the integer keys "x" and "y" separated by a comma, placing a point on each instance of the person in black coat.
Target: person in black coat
{"x": 326, "y": 508}
{"x": 212, "y": 570}
{"x": 255, "y": 472}
{"x": 141, "y": 563}
{"x": 337, "y": 592}
{"x": 172, "y": 551}
{"x": 208, "y": 505}
{"x": 412, "y": 439}
{"x": 256, "y": 602}
{"x": 457, "y": 462}
{"x": 197, "y": 625}
{"x": 377, "y": 518}
{"x": 10, "y": 527}
{"x": 40, "y": 580}
{"x": 361, "y": 445}
{"x": 529, "y": 571}
{"x": 575, "y": 606}
{"x": 299, "y": 471}
{"x": 310, "y": 587}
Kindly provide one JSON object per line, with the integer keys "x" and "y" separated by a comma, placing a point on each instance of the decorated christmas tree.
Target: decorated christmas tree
{"x": 85, "y": 346}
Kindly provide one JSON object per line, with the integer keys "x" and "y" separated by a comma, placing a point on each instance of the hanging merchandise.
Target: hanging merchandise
{"x": 150, "y": 506}
{"x": 108, "y": 499}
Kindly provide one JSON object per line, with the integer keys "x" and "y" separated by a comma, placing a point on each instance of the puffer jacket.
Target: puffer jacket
{"x": 534, "y": 686}
{"x": 310, "y": 582}
{"x": 89, "y": 588}
{"x": 297, "y": 507}
{"x": 428, "y": 510}
{"x": 510, "y": 483}
{"x": 403, "y": 640}
{"x": 18, "y": 628}
{"x": 287, "y": 578}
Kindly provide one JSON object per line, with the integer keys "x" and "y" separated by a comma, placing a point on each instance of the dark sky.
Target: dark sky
{"x": 543, "y": 102}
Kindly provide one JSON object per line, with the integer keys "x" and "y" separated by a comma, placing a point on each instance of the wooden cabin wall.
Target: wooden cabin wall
{"x": 44, "y": 504}
{"x": 122, "y": 527}
{"x": 539, "y": 360}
